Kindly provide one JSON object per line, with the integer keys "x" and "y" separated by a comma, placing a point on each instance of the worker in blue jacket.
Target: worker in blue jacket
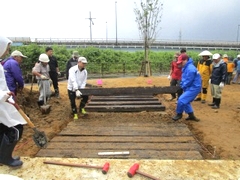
{"x": 191, "y": 85}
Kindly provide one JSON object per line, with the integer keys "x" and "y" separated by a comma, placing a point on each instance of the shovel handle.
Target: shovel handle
{"x": 23, "y": 114}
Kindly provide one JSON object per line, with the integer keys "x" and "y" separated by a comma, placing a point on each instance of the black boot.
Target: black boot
{"x": 191, "y": 117}
{"x": 177, "y": 117}
{"x": 213, "y": 102}
{"x": 6, "y": 149}
{"x": 40, "y": 103}
{"x": 57, "y": 93}
{"x": 217, "y": 104}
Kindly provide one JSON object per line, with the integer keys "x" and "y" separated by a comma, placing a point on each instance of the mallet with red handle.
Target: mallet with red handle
{"x": 134, "y": 169}
{"x": 104, "y": 168}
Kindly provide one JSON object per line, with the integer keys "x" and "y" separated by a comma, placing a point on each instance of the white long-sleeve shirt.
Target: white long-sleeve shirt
{"x": 77, "y": 79}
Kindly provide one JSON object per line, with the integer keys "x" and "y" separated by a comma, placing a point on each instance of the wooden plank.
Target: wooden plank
{"x": 127, "y": 96}
{"x": 112, "y": 139}
{"x": 125, "y": 108}
{"x": 123, "y": 103}
{"x": 107, "y": 98}
{"x": 130, "y": 90}
{"x": 134, "y": 154}
{"x": 131, "y": 131}
{"x": 124, "y": 146}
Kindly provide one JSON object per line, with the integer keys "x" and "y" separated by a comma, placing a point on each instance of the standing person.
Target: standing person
{"x": 11, "y": 122}
{"x": 76, "y": 81}
{"x": 191, "y": 85}
{"x": 230, "y": 69}
{"x": 204, "y": 67}
{"x": 13, "y": 72}
{"x": 237, "y": 69}
{"x": 175, "y": 76}
{"x": 54, "y": 70}
{"x": 217, "y": 80}
{"x": 72, "y": 62}
{"x": 41, "y": 71}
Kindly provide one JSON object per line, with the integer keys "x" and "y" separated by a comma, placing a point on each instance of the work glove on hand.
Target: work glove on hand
{"x": 221, "y": 85}
{"x": 43, "y": 77}
{"x": 169, "y": 77}
{"x": 78, "y": 93}
{"x": 59, "y": 73}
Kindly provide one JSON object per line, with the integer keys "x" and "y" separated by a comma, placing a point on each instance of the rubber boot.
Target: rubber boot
{"x": 203, "y": 98}
{"x": 6, "y": 150}
{"x": 40, "y": 103}
{"x": 57, "y": 93}
{"x": 217, "y": 103}
{"x": 191, "y": 117}
{"x": 177, "y": 117}
{"x": 198, "y": 98}
{"x": 213, "y": 102}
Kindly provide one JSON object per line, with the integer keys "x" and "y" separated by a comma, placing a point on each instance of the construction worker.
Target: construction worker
{"x": 191, "y": 85}
{"x": 230, "y": 69}
{"x": 76, "y": 81}
{"x": 11, "y": 121}
{"x": 72, "y": 62}
{"x": 204, "y": 67}
{"x": 237, "y": 69}
{"x": 54, "y": 70}
{"x": 175, "y": 76}
{"x": 13, "y": 72}
{"x": 217, "y": 80}
{"x": 41, "y": 71}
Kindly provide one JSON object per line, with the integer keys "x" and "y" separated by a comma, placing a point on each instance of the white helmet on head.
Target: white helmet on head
{"x": 205, "y": 53}
{"x": 43, "y": 58}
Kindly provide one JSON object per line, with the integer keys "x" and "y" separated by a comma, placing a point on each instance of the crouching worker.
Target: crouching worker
{"x": 191, "y": 85}
{"x": 11, "y": 121}
{"x": 77, "y": 80}
{"x": 41, "y": 71}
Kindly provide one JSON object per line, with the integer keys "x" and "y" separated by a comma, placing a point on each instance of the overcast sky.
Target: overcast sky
{"x": 215, "y": 20}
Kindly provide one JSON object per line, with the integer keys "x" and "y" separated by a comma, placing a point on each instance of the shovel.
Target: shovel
{"x": 45, "y": 108}
{"x": 39, "y": 137}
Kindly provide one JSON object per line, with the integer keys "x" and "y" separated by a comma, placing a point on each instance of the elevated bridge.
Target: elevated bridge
{"x": 133, "y": 44}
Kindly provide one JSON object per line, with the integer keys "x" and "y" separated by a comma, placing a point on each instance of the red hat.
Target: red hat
{"x": 181, "y": 58}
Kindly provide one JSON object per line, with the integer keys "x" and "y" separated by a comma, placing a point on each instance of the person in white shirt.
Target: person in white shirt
{"x": 77, "y": 80}
{"x": 11, "y": 121}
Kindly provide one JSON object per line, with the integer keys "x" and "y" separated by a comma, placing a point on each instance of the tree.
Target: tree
{"x": 148, "y": 18}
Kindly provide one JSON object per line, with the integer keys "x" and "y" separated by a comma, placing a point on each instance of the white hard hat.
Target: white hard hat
{"x": 44, "y": 58}
{"x": 205, "y": 53}
{"x": 216, "y": 56}
{"x": 225, "y": 56}
{"x": 238, "y": 56}
{"x": 82, "y": 59}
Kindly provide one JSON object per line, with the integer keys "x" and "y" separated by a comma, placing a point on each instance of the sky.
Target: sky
{"x": 185, "y": 20}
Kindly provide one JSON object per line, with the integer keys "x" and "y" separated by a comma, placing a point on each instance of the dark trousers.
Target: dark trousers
{"x": 54, "y": 77}
{"x": 72, "y": 97}
{"x": 9, "y": 132}
{"x": 175, "y": 82}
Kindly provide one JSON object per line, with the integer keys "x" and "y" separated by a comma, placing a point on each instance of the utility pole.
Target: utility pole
{"x": 91, "y": 23}
{"x": 116, "y": 21}
{"x": 237, "y": 33}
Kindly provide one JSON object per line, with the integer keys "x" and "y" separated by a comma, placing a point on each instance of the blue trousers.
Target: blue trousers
{"x": 184, "y": 101}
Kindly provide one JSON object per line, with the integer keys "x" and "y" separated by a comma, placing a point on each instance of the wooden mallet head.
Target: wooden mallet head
{"x": 132, "y": 170}
{"x": 105, "y": 168}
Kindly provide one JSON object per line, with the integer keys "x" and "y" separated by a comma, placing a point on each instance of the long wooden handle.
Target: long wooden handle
{"x": 23, "y": 115}
{"x": 71, "y": 164}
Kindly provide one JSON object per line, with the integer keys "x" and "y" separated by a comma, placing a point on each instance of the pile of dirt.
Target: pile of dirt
{"x": 217, "y": 132}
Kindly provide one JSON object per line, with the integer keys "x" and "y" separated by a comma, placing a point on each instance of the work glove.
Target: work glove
{"x": 169, "y": 77}
{"x": 209, "y": 81}
{"x": 59, "y": 73}
{"x": 78, "y": 93}
{"x": 221, "y": 85}
{"x": 43, "y": 77}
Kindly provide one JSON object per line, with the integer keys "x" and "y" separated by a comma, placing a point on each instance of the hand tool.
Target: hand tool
{"x": 134, "y": 169}
{"x": 104, "y": 168}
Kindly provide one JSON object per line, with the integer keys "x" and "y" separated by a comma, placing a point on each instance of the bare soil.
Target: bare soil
{"x": 218, "y": 131}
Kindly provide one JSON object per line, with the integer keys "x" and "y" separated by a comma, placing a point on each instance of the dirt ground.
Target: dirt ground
{"x": 218, "y": 132}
